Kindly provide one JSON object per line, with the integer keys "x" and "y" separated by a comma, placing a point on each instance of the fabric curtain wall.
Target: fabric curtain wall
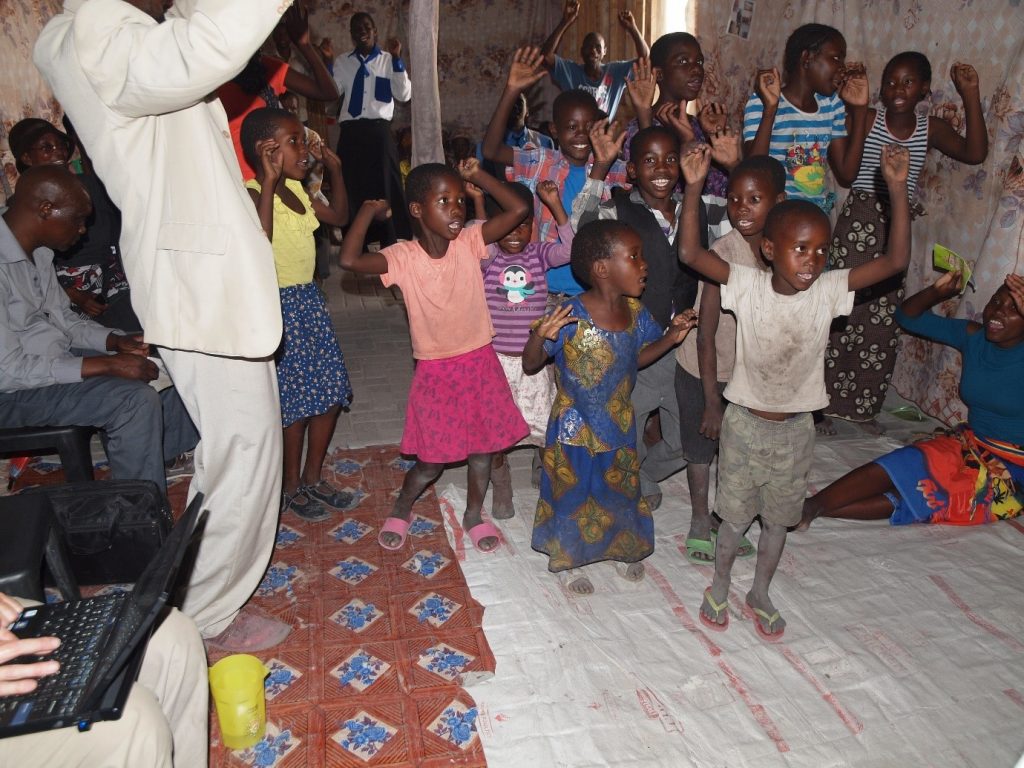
{"x": 978, "y": 211}
{"x": 426, "y": 106}
{"x": 22, "y": 91}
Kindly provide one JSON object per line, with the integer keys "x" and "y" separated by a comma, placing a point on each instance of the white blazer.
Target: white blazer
{"x": 140, "y": 96}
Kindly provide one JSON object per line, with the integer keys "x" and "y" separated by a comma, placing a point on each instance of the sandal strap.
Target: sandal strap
{"x": 718, "y": 608}
{"x": 761, "y": 614}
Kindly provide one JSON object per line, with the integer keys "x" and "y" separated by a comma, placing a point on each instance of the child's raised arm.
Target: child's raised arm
{"x": 556, "y": 254}
{"x": 640, "y": 89}
{"x": 513, "y": 209}
{"x": 525, "y": 70}
{"x": 336, "y": 214}
{"x": 474, "y": 193}
{"x": 366, "y": 263}
{"x": 550, "y": 48}
{"x": 895, "y": 167}
{"x": 549, "y": 194}
{"x": 606, "y": 142}
{"x": 628, "y": 23}
{"x": 769, "y": 90}
{"x": 673, "y": 116}
{"x": 271, "y": 166}
{"x": 972, "y": 148}
{"x": 844, "y": 154}
{"x": 694, "y": 164}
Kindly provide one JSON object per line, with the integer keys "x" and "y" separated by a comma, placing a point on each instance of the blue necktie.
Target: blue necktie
{"x": 355, "y": 102}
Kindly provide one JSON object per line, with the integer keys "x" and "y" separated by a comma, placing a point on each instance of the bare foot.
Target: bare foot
{"x": 631, "y": 571}
{"x": 872, "y": 427}
{"x": 810, "y": 514}
{"x": 826, "y": 427}
{"x": 576, "y": 582}
{"x": 769, "y": 622}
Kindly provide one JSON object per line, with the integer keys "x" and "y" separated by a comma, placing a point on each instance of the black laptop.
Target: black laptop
{"x": 103, "y": 641}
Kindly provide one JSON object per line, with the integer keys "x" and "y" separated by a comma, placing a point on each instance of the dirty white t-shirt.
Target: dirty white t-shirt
{"x": 780, "y": 340}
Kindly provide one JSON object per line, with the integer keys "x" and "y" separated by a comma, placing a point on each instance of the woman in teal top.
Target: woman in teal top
{"x": 975, "y": 472}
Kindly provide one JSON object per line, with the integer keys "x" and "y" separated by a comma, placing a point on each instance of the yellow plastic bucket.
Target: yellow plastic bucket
{"x": 237, "y": 686}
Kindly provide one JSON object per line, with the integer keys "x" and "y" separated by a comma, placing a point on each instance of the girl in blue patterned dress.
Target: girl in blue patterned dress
{"x": 311, "y": 373}
{"x": 590, "y": 508}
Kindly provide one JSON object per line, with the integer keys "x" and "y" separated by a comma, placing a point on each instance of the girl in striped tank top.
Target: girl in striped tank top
{"x": 860, "y": 357}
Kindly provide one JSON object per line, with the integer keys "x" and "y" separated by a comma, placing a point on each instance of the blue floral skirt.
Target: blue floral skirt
{"x": 590, "y": 508}
{"x": 311, "y": 373}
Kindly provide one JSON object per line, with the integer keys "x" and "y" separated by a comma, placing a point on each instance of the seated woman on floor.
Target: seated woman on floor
{"x": 975, "y": 472}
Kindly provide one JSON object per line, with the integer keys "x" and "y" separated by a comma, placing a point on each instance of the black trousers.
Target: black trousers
{"x": 369, "y": 161}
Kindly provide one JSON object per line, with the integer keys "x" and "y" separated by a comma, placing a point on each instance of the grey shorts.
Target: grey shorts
{"x": 763, "y": 466}
{"x": 697, "y": 449}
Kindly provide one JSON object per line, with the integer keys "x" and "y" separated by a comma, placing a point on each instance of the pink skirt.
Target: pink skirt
{"x": 459, "y": 406}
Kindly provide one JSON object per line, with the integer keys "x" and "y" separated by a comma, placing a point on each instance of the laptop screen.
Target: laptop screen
{"x": 145, "y": 601}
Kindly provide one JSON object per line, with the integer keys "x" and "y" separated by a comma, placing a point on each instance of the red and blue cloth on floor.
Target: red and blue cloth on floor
{"x": 958, "y": 478}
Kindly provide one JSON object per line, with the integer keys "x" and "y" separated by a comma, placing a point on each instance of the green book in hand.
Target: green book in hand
{"x": 948, "y": 261}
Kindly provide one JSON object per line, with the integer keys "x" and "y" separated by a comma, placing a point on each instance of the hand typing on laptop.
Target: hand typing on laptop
{"x": 17, "y": 679}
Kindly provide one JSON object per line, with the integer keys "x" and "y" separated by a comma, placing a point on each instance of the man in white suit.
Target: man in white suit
{"x": 200, "y": 266}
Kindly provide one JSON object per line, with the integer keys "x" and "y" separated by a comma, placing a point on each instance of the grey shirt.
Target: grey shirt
{"x": 38, "y": 328}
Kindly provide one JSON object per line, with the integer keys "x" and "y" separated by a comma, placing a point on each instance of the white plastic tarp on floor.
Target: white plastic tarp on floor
{"x": 905, "y": 647}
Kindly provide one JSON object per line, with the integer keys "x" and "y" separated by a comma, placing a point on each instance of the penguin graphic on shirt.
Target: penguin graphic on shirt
{"x": 515, "y": 284}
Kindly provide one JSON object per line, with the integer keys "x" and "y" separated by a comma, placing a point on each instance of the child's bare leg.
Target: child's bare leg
{"x": 698, "y": 477}
{"x": 857, "y": 495}
{"x": 769, "y": 551}
{"x": 294, "y": 434}
{"x": 416, "y": 481}
{"x": 479, "y": 475}
{"x": 729, "y": 537}
{"x": 321, "y": 430}
{"x": 502, "y": 507}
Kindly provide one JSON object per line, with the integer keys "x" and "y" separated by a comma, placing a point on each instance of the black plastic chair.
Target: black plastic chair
{"x": 72, "y": 443}
{"x": 27, "y": 536}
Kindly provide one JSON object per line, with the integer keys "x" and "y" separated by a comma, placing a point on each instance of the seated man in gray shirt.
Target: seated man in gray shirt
{"x": 58, "y": 368}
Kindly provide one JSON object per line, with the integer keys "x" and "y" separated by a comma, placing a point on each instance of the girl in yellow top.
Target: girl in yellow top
{"x": 311, "y": 373}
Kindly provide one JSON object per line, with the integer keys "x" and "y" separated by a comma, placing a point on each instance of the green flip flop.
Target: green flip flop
{"x": 746, "y": 548}
{"x": 702, "y": 547}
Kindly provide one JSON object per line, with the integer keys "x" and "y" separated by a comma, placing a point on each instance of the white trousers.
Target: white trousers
{"x": 235, "y": 407}
{"x": 164, "y": 723}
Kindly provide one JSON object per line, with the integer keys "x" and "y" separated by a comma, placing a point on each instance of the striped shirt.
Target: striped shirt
{"x": 517, "y": 289}
{"x": 869, "y": 177}
{"x": 800, "y": 141}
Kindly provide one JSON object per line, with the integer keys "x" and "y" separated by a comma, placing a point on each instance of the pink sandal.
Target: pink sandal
{"x": 481, "y": 531}
{"x": 394, "y": 525}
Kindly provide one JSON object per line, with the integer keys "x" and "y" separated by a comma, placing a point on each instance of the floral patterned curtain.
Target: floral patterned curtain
{"x": 978, "y": 211}
{"x": 22, "y": 91}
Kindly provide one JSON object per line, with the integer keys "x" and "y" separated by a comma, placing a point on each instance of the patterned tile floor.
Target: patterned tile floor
{"x": 371, "y": 673}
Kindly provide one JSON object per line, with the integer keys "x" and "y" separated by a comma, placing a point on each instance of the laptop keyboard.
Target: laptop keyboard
{"x": 82, "y": 626}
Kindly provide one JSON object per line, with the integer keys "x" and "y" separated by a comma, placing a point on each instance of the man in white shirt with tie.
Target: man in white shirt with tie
{"x": 370, "y": 81}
